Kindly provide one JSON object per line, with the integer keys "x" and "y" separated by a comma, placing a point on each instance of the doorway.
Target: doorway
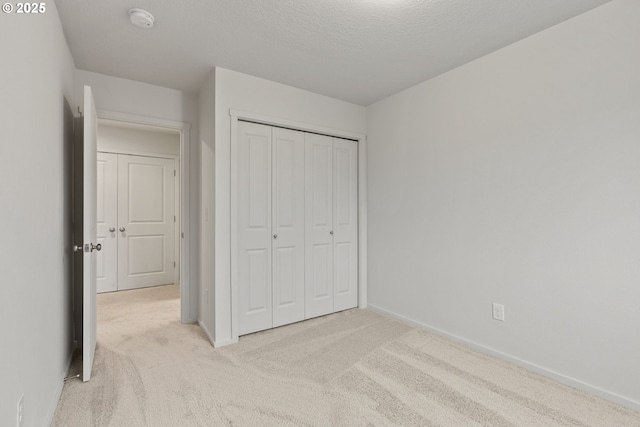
{"x": 165, "y": 147}
{"x": 138, "y": 196}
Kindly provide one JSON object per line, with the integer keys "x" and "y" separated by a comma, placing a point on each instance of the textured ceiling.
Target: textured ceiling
{"x": 357, "y": 50}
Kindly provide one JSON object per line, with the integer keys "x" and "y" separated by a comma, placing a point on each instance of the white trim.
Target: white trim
{"x": 291, "y": 124}
{"x": 206, "y": 332}
{"x": 362, "y": 200}
{"x": 187, "y": 291}
{"x": 234, "y": 227}
{"x": 580, "y": 385}
{"x": 143, "y": 120}
{"x": 218, "y": 344}
{"x": 214, "y": 343}
{"x": 141, "y": 153}
{"x": 362, "y": 223}
{"x": 56, "y": 396}
{"x": 178, "y": 220}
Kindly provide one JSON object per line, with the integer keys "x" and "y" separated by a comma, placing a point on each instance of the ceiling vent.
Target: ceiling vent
{"x": 141, "y": 18}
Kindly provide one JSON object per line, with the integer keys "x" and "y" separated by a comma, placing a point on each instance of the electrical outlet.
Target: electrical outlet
{"x": 498, "y": 312}
{"x": 20, "y": 412}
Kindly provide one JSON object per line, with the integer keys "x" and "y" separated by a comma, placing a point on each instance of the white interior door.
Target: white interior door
{"x": 288, "y": 226}
{"x": 345, "y": 224}
{"x": 146, "y": 221}
{"x": 107, "y": 222}
{"x": 318, "y": 225}
{"x": 89, "y": 237}
{"x": 254, "y": 228}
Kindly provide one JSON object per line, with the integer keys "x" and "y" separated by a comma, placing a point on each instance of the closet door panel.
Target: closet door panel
{"x": 318, "y": 225}
{"x": 345, "y": 228}
{"x": 254, "y": 228}
{"x": 288, "y": 226}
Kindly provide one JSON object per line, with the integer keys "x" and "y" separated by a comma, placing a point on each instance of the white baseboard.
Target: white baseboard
{"x": 58, "y": 392}
{"x": 580, "y": 385}
{"x": 215, "y": 343}
{"x": 206, "y": 332}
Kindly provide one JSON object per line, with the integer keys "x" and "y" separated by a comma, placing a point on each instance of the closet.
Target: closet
{"x": 135, "y": 221}
{"x": 297, "y": 226}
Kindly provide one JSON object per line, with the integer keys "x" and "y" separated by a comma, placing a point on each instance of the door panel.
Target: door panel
{"x": 152, "y": 248}
{"x": 343, "y": 268}
{"x": 254, "y": 228}
{"x": 345, "y": 230}
{"x": 258, "y": 267}
{"x": 146, "y": 221}
{"x": 107, "y": 217}
{"x": 89, "y": 235}
{"x": 318, "y": 225}
{"x": 288, "y": 226}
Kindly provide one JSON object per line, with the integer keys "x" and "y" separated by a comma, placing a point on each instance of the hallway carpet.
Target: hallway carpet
{"x": 352, "y": 368}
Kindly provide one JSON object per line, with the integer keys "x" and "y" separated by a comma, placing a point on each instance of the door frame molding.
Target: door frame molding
{"x": 360, "y": 139}
{"x": 186, "y": 291}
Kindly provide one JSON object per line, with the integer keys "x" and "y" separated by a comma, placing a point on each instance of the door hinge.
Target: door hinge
{"x": 174, "y": 172}
{"x": 174, "y": 218}
{"x": 174, "y": 264}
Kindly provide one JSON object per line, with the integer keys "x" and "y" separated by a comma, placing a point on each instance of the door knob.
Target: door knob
{"x": 331, "y": 232}
{"x": 112, "y": 229}
{"x": 122, "y": 229}
{"x": 87, "y": 248}
{"x": 275, "y": 236}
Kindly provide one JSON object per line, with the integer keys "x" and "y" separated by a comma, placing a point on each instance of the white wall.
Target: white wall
{"x": 515, "y": 179}
{"x": 36, "y": 104}
{"x": 142, "y": 99}
{"x": 118, "y": 139}
{"x": 206, "y": 121}
{"x": 254, "y": 95}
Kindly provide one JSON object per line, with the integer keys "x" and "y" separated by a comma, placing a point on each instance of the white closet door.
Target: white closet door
{"x": 107, "y": 215}
{"x": 288, "y": 226}
{"x": 254, "y": 228}
{"x": 146, "y": 226}
{"x": 345, "y": 224}
{"x": 318, "y": 225}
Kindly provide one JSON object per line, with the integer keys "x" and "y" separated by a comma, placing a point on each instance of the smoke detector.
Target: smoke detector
{"x": 141, "y": 18}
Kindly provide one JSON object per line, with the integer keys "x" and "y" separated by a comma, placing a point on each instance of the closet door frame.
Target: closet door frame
{"x": 360, "y": 139}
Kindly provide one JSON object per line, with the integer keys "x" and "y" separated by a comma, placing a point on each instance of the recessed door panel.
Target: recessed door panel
{"x": 146, "y": 221}
{"x": 343, "y": 188}
{"x": 322, "y": 284}
{"x": 107, "y": 216}
{"x": 284, "y": 277}
{"x": 288, "y": 226}
{"x": 258, "y": 180}
{"x": 319, "y": 225}
{"x": 343, "y": 267}
{"x": 153, "y": 249}
{"x": 345, "y": 230}
{"x": 321, "y": 181}
{"x": 254, "y": 228}
{"x": 259, "y": 290}
{"x": 146, "y": 191}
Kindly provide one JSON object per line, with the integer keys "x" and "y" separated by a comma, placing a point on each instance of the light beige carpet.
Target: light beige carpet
{"x": 353, "y": 368}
